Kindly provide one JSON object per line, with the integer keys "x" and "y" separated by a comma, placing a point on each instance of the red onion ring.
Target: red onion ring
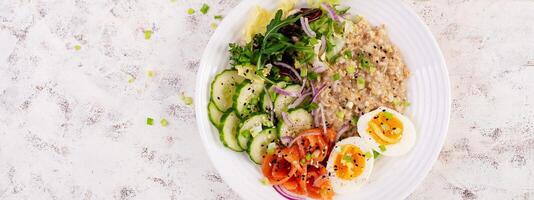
{"x": 323, "y": 46}
{"x": 323, "y": 118}
{"x": 286, "y": 119}
{"x": 318, "y": 92}
{"x": 284, "y": 92}
{"x": 303, "y": 135}
{"x": 306, "y": 27}
{"x": 292, "y": 69}
{"x": 342, "y": 131}
{"x": 331, "y": 12}
{"x": 286, "y": 140}
{"x": 299, "y": 100}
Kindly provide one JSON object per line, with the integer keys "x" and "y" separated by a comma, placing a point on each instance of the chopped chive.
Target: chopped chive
{"x": 388, "y": 115}
{"x": 375, "y": 154}
{"x": 218, "y": 17}
{"x": 368, "y": 154}
{"x": 151, "y": 73}
{"x": 406, "y": 103}
{"x": 340, "y": 115}
{"x": 337, "y": 77}
{"x": 382, "y": 147}
{"x": 205, "y": 8}
{"x": 308, "y": 156}
{"x": 360, "y": 83}
{"x": 191, "y": 11}
{"x": 312, "y": 76}
{"x": 354, "y": 121}
{"x": 372, "y": 69}
{"x": 347, "y": 158}
{"x": 351, "y": 69}
{"x": 214, "y": 25}
{"x": 149, "y": 121}
{"x": 131, "y": 79}
{"x": 164, "y": 122}
{"x": 77, "y": 47}
{"x": 302, "y": 162}
{"x": 312, "y": 106}
{"x": 187, "y": 100}
{"x": 148, "y": 34}
{"x": 265, "y": 181}
{"x": 348, "y": 54}
{"x": 304, "y": 72}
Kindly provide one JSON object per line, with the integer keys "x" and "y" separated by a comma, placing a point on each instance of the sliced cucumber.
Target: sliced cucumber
{"x": 267, "y": 99}
{"x": 228, "y": 131}
{"x": 282, "y": 101}
{"x": 247, "y": 97}
{"x": 300, "y": 121}
{"x": 258, "y": 146}
{"x": 252, "y": 127}
{"x": 223, "y": 89}
{"x": 214, "y": 114}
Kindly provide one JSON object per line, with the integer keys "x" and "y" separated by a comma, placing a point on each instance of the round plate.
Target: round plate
{"x": 428, "y": 92}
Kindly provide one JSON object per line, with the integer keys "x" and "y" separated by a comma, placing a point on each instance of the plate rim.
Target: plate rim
{"x": 442, "y": 66}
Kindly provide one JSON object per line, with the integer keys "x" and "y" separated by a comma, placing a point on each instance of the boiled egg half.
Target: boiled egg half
{"x": 350, "y": 164}
{"x": 387, "y": 131}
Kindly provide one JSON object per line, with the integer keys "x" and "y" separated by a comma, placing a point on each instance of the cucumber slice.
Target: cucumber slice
{"x": 258, "y": 146}
{"x": 223, "y": 89}
{"x": 228, "y": 131}
{"x": 301, "y": 120}
{"x": 252, "y": 127}
{"x": 214, "y": 114}
{"x": 247, "y": 97}
{"x": 282, "y": 101}
{"x": 266, "y": 105}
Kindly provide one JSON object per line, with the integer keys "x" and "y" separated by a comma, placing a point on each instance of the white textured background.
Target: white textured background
{"x": 72, "y": 127}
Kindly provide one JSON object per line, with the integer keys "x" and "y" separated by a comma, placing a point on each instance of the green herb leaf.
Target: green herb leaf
{"x": 368, "y": 154}
{"x": 308, "y": 156}
{"x": 312, "y": 76}
{"x": 351, "y": 69}
{"x": 218, "y": 17}
{"x": 375, "y": 154}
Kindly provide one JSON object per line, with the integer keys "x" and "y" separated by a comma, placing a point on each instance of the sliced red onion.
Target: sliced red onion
{"x": 284, "y": 92}
{"x": 303, "y": 135}
{"x": 303, "y": 86}
{"x": 318, "y": 92}
{"x": 286, "y": 140}
{"x": 306, "y": 27}
{"x": 299, "y": 100}
{"x": 285, "y": 194}
{"x": 319, "y": 67}
{"x": 323, "y": 118}
{"x": 312, "y": 85}
{"x": 331, "y": 12}
{"x": 323, "y": 46}
{"x": 342, "y": 131}
{"x": 316, "y": 118}
{"x": 292, "y": 69}
{"x": 286, "y": 119}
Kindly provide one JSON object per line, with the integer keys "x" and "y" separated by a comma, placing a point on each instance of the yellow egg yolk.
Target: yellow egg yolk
{"x": 385, "y": 128}
{"x": 349, "y": 162}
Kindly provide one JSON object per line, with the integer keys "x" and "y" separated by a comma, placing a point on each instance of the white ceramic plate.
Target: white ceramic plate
{"x": 428, "y": 92}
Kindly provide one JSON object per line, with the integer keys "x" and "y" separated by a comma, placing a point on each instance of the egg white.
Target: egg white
{"x": 345, "y": 186}
{"x": 406, "y": 143}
